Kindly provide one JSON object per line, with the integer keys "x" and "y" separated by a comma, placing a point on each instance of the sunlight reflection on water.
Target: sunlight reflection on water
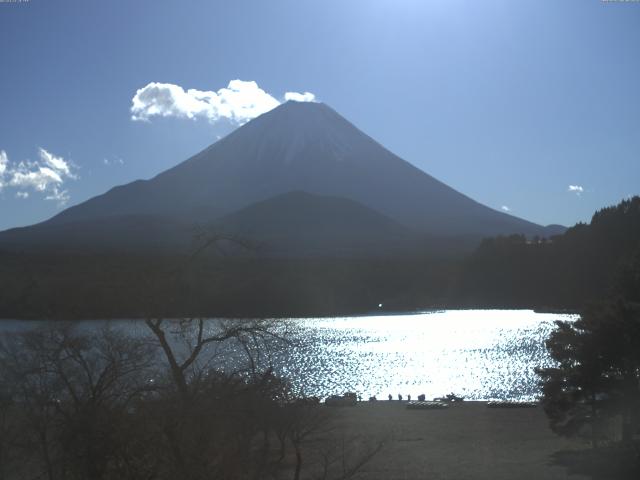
{"x": 480, "y": 354}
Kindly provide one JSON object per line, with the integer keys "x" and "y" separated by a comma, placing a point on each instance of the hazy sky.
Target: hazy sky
{"x": 532, "y": 106}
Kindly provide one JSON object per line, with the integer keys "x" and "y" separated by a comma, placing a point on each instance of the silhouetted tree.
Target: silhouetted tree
{"x": 70, "y": 395}
{"x": 598, "y": 371}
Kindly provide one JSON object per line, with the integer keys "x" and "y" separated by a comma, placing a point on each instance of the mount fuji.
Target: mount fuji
{"x": 302, "y": 167}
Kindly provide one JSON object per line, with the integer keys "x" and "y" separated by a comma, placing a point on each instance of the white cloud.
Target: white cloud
{"x": 300, "y": 97}
{"x": 56, "y": 163}
{"x": 4, "y": 161}
{"x": 115, "y": 161}
{"x": 577, "y": 189}
{"x": 504, "y": 208}
{"x": 34, "y": 176}
{"x": 47, "y": 175}
{"x": 60, "y": 196}
{"x": 239, "y": 102}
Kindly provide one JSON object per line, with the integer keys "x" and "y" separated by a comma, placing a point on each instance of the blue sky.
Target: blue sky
{"x": 508, "y": 102}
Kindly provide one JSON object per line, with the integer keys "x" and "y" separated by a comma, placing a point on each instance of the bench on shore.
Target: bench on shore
{"x": 427, "y": 405}
{"x": 511, "y": 404}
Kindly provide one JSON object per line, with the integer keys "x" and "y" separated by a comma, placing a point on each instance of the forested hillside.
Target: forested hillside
{"x": 568, "y": 270}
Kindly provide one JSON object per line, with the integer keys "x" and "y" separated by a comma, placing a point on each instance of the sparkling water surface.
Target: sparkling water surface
{"x": 479, "y": 354}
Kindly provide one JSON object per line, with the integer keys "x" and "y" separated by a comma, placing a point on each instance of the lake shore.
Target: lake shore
{"x": 379, "y": 312}
{"x": 465, "y": 441}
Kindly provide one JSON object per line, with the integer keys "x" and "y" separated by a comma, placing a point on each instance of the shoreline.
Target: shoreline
{"x": 372, "y": 313}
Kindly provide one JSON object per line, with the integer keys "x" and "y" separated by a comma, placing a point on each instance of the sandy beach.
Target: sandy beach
{"x": 465, "y": 441}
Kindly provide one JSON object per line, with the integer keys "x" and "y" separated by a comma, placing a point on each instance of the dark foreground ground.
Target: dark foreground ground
{"x": 465, "y": 441}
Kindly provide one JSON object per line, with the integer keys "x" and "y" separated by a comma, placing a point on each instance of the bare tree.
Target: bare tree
{"x": 183, "y": 343}
{"x": 71, "y": 391}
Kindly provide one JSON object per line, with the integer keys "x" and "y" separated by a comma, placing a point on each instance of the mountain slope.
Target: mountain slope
{"x": 118, "y": 233}
{"x": 360, "y": 197}
{"x": 307, "y": 147}
{"x": 302, "y": 224}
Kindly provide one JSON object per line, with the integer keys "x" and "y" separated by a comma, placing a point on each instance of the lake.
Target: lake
{"x": 479, "y": 354}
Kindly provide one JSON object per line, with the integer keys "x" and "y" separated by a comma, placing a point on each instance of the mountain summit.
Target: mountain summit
{"x": 298, "y": 147}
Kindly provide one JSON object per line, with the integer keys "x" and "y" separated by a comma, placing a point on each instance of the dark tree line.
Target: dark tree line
{"x": 83, "y": 286}
{"x": 566, "y": 271}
